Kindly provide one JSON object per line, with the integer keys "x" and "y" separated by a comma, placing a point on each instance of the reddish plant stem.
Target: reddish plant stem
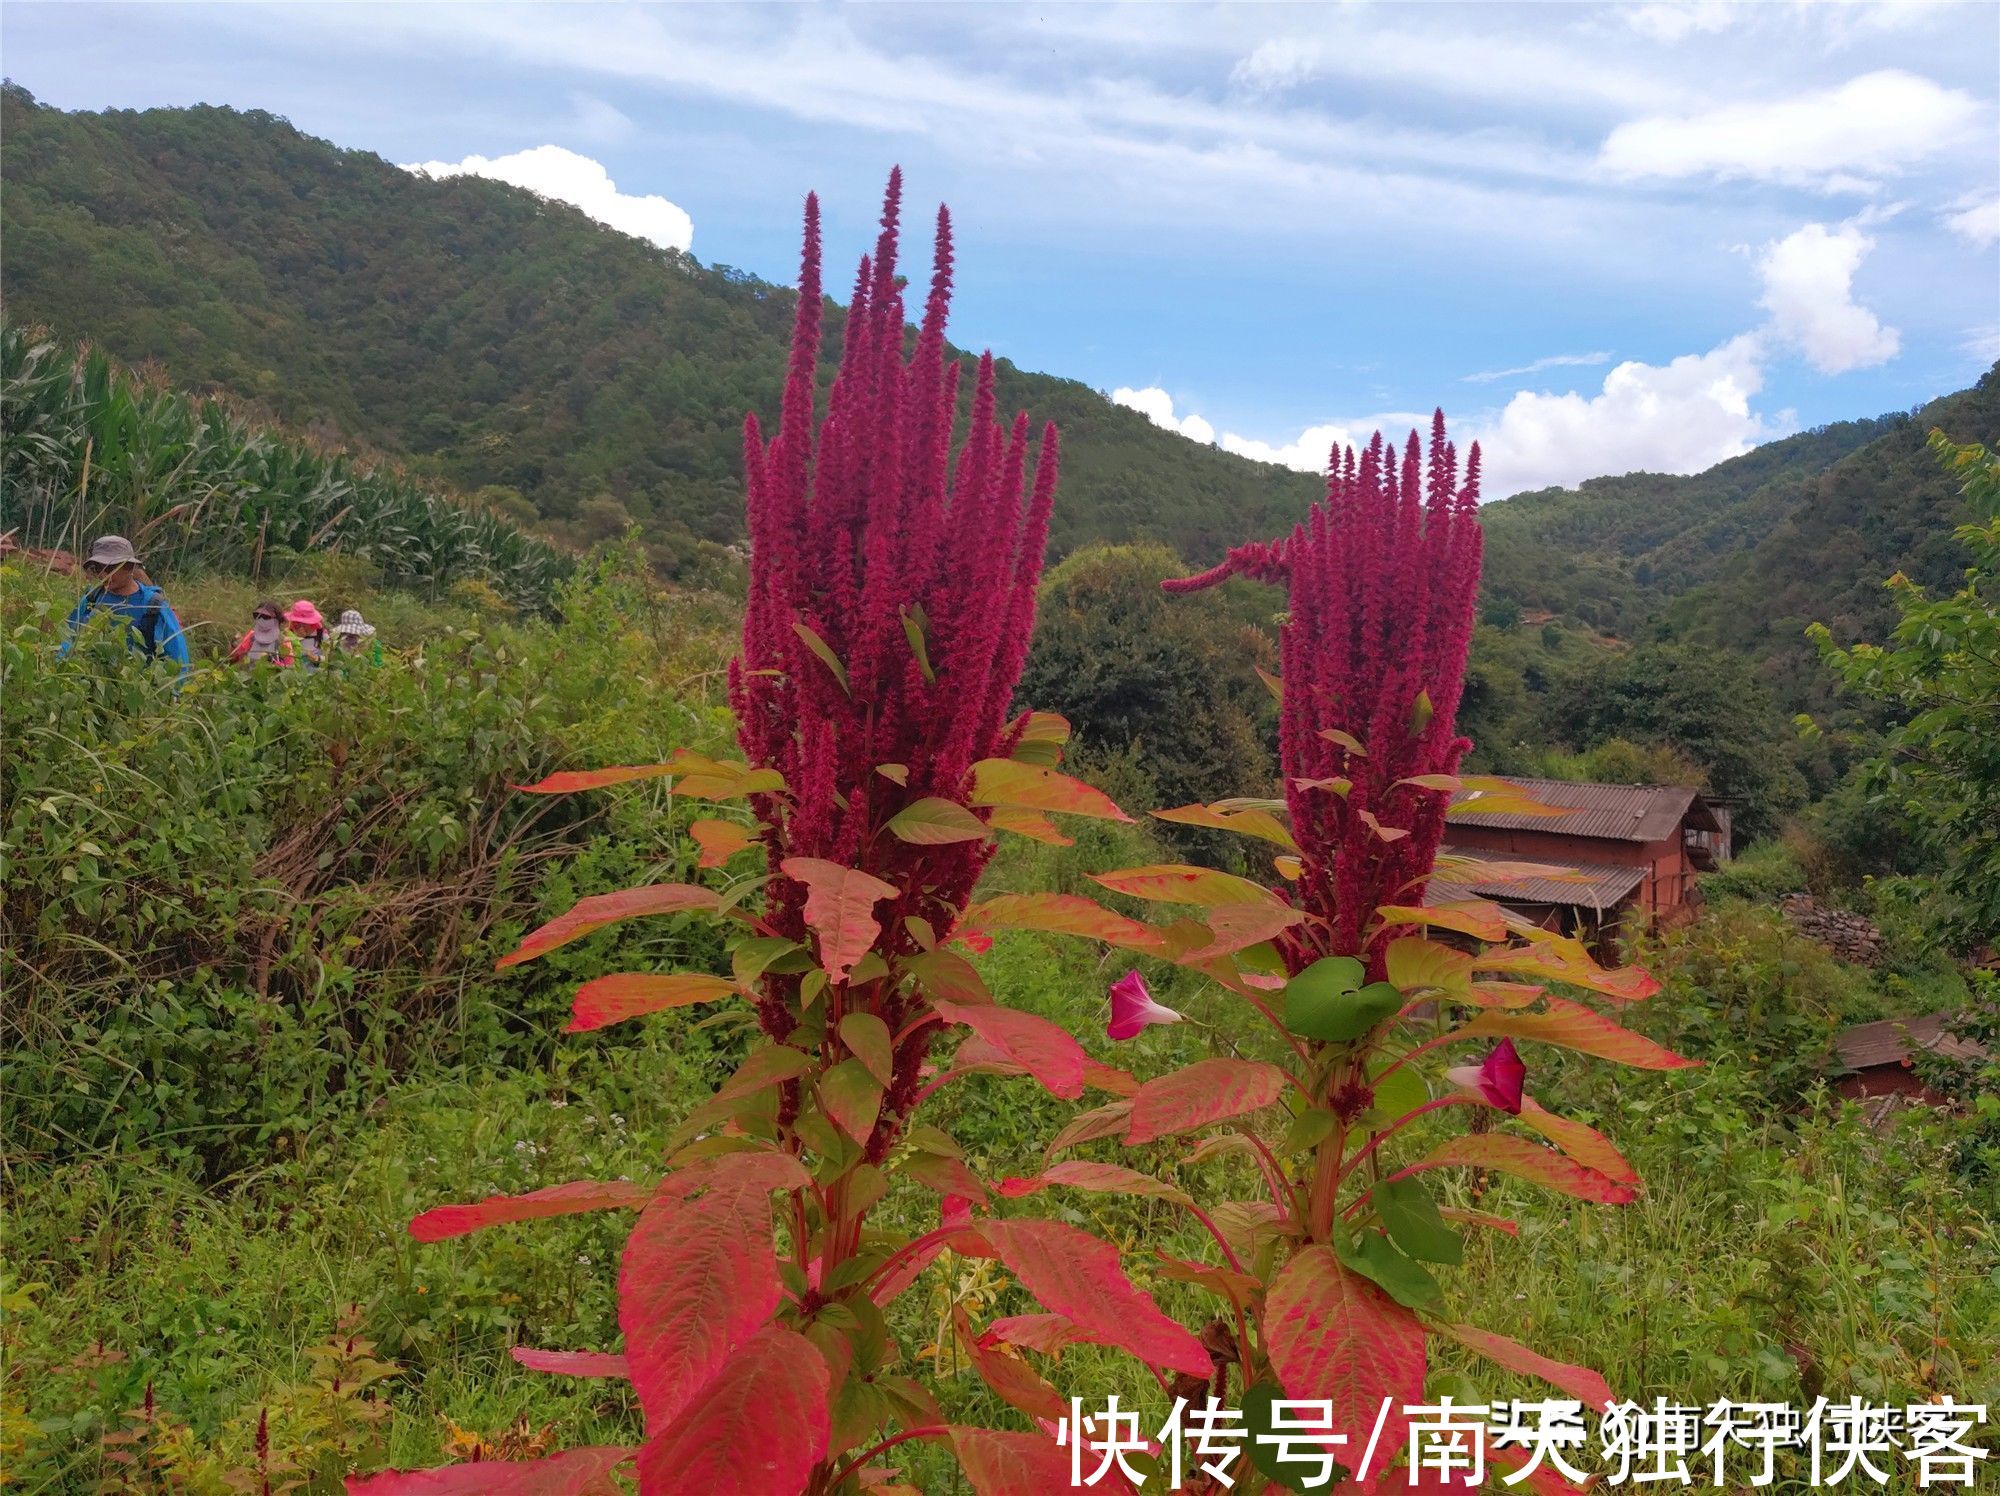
{"x": 928, "y": 1431}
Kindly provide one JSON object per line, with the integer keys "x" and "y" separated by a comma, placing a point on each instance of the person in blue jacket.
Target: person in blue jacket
{"x": 150, "y": 623}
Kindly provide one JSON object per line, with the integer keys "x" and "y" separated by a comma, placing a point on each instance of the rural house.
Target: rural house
{"x": 1621, "y": 848}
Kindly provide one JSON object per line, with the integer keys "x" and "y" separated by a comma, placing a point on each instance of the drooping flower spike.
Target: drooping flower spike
{"x": 1133, "y": 1009}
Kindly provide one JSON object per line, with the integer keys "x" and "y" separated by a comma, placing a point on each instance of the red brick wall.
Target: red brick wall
{"x": 1669, "y": 881}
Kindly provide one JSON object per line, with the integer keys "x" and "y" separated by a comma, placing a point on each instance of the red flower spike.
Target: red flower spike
{"x": 868, "y": 539}
{"x": 1383, "y": 577}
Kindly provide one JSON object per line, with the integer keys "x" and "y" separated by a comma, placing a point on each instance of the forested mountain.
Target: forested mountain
{"x": 489, "y": 337}
{"x": 571, "y": 375}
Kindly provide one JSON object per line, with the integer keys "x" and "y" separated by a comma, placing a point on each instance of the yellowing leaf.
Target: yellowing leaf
{"x": 822, "y": 649}
{"x": 1009, "y": 782}
{"x": 1028, "y": 823}
{"x": 1176, "y": 883}
{"x": 933, "y": 822}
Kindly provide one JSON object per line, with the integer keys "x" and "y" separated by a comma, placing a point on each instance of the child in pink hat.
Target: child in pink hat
{"x": 303, "y": 619}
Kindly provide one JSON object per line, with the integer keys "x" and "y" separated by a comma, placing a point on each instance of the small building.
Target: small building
{"x": 1879, "y": 1059}
{"x": 1615, "y": 850}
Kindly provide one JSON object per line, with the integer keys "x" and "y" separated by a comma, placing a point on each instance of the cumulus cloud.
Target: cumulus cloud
{"x": 1809, "y": 292}
{"x": 1835, "y": 139}
{"x": 1976, "y": 222}
{"x": 567, "y": 177}
{"x": 1678, "y": 417}
{"x": 1157, "y": 406}
{"x": 1553, "y": 361}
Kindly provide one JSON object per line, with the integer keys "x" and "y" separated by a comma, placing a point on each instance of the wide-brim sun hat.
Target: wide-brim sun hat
{"x": 111, "y": 550}
{"x": 351, "y": 622}
{"x": 305, "y": 615}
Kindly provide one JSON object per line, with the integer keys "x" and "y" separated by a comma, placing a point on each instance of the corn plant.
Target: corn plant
{"x": 87, "y": 447}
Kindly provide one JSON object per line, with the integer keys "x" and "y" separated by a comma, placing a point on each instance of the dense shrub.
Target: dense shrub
{"x": 231, "y": 909}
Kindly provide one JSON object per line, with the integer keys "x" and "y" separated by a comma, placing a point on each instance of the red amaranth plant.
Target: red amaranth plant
{"x": 892, "y": 597}
{"x": 1325, "y": 1290}
{"x": 1383, "y": 584}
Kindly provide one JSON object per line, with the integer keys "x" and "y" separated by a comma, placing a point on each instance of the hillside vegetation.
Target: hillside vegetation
{"x": 496, "y": 340}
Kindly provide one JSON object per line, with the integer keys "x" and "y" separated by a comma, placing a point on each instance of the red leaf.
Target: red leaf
{"x": 602, "y": 909}
{"x": 1106, "y": 1121}
{"x": 1579, "y": 1382}
{"x": 757, "y": 1429}
{"x": 1018, "y": 786}
{"x": 442, "y": 1222}
{"x": 1109, "y": 1078}
{"x": 572, "y": 780}
{"x": 1524, "y": 1160}
{"x": 1005, "y": 1463}
{"x": 1099, "y": 1179}
{"x": 630, "y": 994}
{"x": 1044, "y": 1050}
{"x": 1198, "y": 1094}
{"x": 1056, "y": 914}
{"x": 1586, "y": 1145}
{"x": 840, "y": 907}
{"x": 720, "y": 840}
{"x": 573, "y": 1363}
{"x": 1569, "y": 1025}
{"x": 1077, "y": 1276}
{"x": 575, "y": 1472}
{"x": 1176, "y": 883}
{"x": 1047, "y": 1333}
{"x": 1335, "y": 1336}
{"x": 1009, "y": 1376}
{"x": 697, "y": 1282}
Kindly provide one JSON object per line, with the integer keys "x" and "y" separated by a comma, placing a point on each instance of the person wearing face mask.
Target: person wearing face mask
{"x": 309, "y": 629}
{"x": 123, "y": 589}
{"x": 266, "y": 640}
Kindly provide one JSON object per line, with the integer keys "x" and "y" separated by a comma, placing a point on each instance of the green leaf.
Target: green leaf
{"x": 1321, "y": 1002}
{"x": 914, "y": 626}
{"x": 1308, "y": 1130}
{"x": 753, "y": 956}
{"x": 852, "y": 1098}
{"x": 933, "y": 822}
{"x": 1374, "y": 1257}
{"x": 867, "y": 1039}
{"x": 1421, "y": 712}
{"x": 821, "y": 648}
{"x": 1411, "y": 1218}
{"x": 1398, "y": 1094}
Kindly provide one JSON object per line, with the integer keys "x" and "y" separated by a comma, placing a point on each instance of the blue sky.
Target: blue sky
{"x": 1602, "y": 237}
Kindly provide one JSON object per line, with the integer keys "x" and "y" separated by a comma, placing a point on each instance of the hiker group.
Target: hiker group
{"x": 293, "y": 638}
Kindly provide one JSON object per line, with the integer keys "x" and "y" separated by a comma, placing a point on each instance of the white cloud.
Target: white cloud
{"x": 1983, "y": 343}
{"x": 1681, "y": 18}
{"x": 1553, "y": 361}
{"x": 1157, "y": 406}
{"x": 1280, "y": 63}
{"x": 1809, "y": 292}
{"x": 567, "y": 177}
{"x": 1837, "y": 139}
{"x": 1308, "y": 452}
{"x": 1678, "y": 417}
{"x": 1976, "y": 222}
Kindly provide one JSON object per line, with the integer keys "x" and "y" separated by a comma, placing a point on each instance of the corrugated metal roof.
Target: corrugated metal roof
{"x": 1614, "y": 812}
{"x": 1889, "y": 1042}
{"x": 1588, "y": 885}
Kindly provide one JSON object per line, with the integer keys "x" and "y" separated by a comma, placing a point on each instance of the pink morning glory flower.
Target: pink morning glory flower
{"x": 1133, "y": 1008}
{"x": 1498, "y": 1079}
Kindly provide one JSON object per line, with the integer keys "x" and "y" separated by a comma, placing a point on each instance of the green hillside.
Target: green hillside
{"x": 488, "y": 337}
